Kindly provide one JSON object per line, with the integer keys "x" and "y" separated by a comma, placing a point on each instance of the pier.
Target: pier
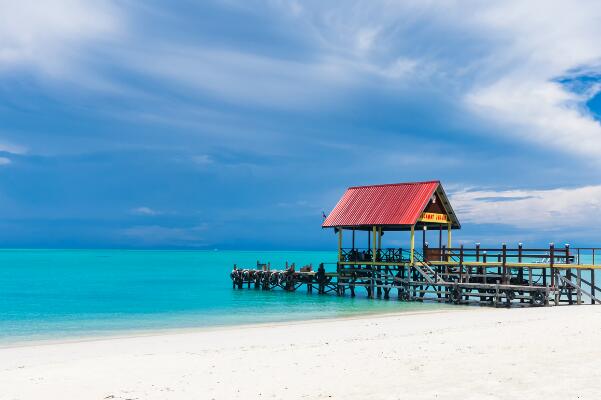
{"x": 500, "y": 276}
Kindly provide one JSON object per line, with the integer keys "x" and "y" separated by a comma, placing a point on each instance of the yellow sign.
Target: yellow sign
{"x": 434, "y": 217}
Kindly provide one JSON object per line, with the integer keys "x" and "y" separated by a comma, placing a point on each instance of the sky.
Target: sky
{"x": 224, "y": 124}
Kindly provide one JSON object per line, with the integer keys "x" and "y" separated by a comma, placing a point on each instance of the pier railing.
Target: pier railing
{"x": 540, "y": 256}
{"x": 387, "y": 255}
{"x": 503, "y": 255}
{"x": 587, "y": 255}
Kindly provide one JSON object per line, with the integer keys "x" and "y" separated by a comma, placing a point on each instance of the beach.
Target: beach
{"x": 467, "y": 353}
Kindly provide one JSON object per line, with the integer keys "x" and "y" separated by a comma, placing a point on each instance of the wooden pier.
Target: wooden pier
{"x": 497, "y": 277}
{"x": 461, "y": 275}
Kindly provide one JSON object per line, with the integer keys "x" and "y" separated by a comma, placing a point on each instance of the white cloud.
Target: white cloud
{"x": 145, "y": 211}
{"x": 12, "y": 148}
{"x": 4, "y": 161}
{"x": 534, "y": 209}
{"x": 47, "y": 36}
{"x": 365, "y": 39}
{"x": 538, "y": 42}
{"x": 500, "y": 59}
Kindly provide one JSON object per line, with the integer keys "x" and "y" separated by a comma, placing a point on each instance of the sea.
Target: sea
{"x": 73, "y": 294}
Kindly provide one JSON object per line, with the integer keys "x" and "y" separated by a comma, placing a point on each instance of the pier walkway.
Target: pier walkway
{"x": 498, "y": 277}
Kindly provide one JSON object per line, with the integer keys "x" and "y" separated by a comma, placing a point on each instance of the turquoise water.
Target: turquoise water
{"x": 50, "y": 294}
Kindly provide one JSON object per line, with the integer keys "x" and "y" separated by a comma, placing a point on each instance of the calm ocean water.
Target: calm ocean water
{"x": 50, "y": 294}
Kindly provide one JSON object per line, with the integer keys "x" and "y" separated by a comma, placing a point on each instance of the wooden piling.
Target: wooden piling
{"x": 592, "y": 285}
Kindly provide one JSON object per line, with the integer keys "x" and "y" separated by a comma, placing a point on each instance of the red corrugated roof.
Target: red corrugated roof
{"x": 392, "y": 204}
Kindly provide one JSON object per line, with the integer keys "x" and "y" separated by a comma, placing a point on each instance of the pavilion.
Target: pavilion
{"x": 406, "y": 206}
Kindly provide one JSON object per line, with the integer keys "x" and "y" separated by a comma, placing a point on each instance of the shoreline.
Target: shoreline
{"x": 466, "y": 353}
{"x": 129, "y": 334}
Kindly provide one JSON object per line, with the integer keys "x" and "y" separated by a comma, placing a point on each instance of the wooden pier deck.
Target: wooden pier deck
{"x": 510, "y": 277}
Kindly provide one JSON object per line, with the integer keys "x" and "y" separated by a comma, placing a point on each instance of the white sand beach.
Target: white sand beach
{"x": 467, "y": 353}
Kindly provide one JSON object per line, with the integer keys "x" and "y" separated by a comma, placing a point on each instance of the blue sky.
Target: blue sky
{"x": 233, "y": 124}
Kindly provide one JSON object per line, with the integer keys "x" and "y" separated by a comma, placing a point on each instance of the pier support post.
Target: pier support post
{"x": 579, "y": 284}
{"x": 321, "y": 277}
{"x": 592, "y": 285}
{"x": 234, "y": 276}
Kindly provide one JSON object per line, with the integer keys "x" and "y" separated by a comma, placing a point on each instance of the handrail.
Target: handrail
{"x": 550, "y": 256}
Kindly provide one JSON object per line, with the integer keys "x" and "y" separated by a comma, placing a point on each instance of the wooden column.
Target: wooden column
{"x": 449, "y": 239}
{"x": 339, "y": 244}
{"x": 374, "y": 233}
{"x": 373, "y": 267}
{"x": 578, "y": 276}
{"x": 552, "y": 263}
{"x": 484, "y": 267}
{"x": 412, "y": 243}
{"x": 462, "y": 277}
{"x": 504, "y": 261}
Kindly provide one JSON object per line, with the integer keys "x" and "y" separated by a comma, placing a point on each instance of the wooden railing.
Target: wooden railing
{"x": 551, "y": 255}
{"x": 587, "y": 255}
{"x": 388, "y": 255}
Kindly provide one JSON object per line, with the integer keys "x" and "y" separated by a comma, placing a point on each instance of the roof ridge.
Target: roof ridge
{"x": 395, "y": 184}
